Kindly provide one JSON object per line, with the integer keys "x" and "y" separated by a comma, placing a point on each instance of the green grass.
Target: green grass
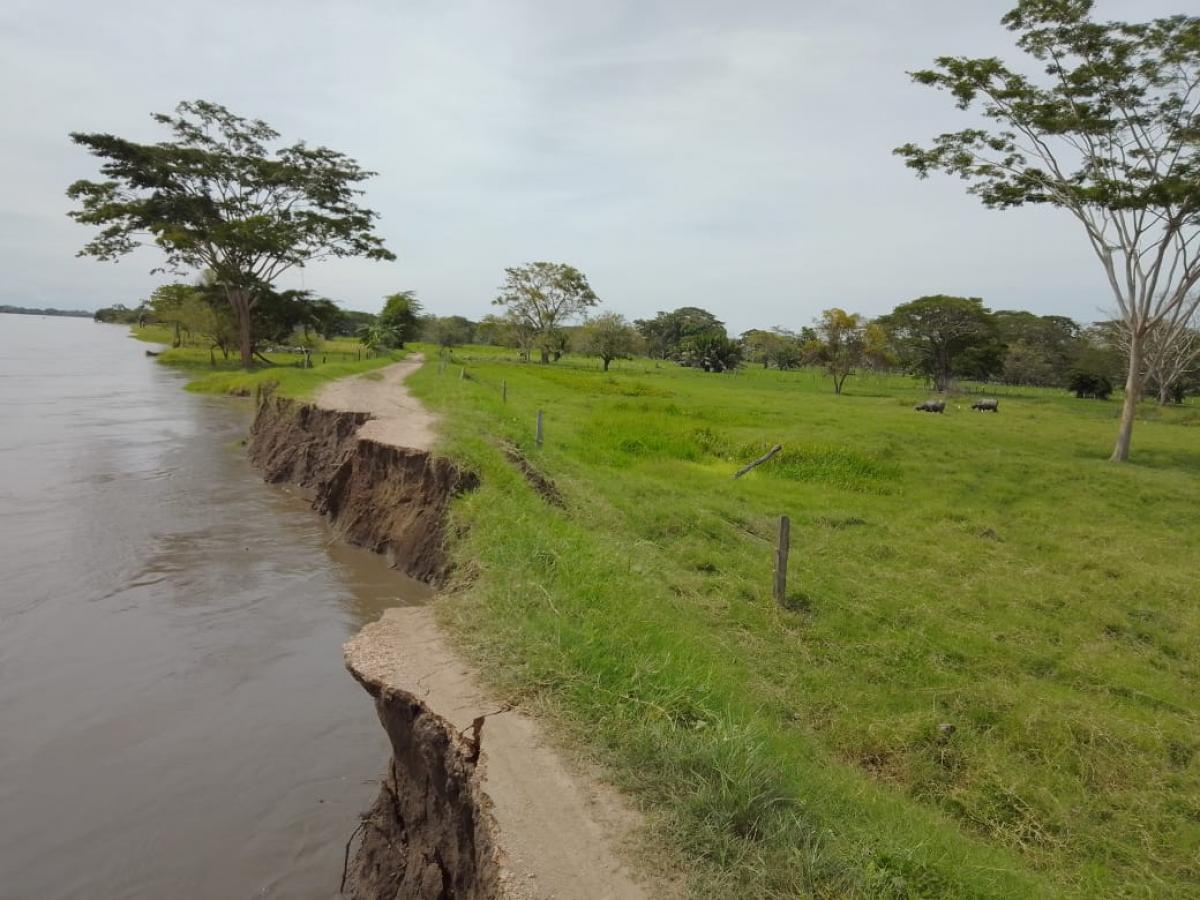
{"x": 211, "y": 373}
{"x": 992, "y": 572}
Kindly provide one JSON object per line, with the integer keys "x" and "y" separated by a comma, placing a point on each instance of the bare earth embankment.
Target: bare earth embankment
{"x": 476, "y": 804}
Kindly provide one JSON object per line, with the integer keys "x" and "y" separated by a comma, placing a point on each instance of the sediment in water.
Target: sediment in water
{"x": 429, "y": 833}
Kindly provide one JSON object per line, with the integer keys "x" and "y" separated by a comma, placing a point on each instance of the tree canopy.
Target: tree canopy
{"x": 666, "y": 333}
{"x": 841, "y": 345}
{"x": 214, "y": 198}
{"x": 940, "y": 336}
{"x": 541, "y": 297}
{"x": 609, "y": 337}
{"x": 1108, "y": 131}
{"x": 401, "y": 316}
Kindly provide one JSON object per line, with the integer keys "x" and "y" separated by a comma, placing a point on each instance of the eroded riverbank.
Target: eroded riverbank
{"x": 475, "y": 803}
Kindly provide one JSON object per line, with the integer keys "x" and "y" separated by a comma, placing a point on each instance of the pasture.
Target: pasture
{"x": 984, "y": 678}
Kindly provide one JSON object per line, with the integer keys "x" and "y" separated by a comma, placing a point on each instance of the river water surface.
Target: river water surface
{"x": 175, "y": 720}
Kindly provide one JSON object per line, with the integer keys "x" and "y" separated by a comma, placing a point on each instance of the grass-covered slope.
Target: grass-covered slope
{"x": 211, "y": 373}
{"x": 993, "y": 573}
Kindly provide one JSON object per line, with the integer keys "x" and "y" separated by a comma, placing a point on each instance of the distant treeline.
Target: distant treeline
{"x": 940, "y": 338}
{"x": 199, "y": 313}
{"x": 30, "y": 311}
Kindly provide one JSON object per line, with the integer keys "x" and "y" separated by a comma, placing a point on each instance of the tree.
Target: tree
{"x": 940, "y": 336}
{"x": 878, "y": 352}
{"x": 324, "y": 317}
{"x": 1096, "y": 362}
{"x": 1172, "y": 350}
{"x": 759, "y": 345}
{"x": 779, "y": 346}
{"x": 666, "y": 333}
{"x": 448, "y": 332}
{"x": 173, "y": 304}
{"x": 712, "y": 351}
{"x": 120, "y": 313}
{"x": 842, "y": 338}
{"x": 401, "y": 315}
{"x": 508, "y": 331}
{"x": 1084, "y": 384}
{"x": 377, "y": 336}
{"x": 1111, "y": 134}
{"x": 350, "y": 322}
{"x": 1172, "y": 355}
{"x": 608, "y": 336}
{"x": 1039, "y": 348}
{"x": 543, "y": 296}
{"x": 215, "y": 198}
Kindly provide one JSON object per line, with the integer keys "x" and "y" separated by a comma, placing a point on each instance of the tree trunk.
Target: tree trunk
{"x": 240, "y": 301}
{"x": 545, "y": 356}
{"x": 1164, "y": 393}
{"x": 606, "y": 361}
{"x": 1133, "y": 393}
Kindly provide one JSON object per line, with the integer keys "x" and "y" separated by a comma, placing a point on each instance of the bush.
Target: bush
{"x": 1090, "y": 384}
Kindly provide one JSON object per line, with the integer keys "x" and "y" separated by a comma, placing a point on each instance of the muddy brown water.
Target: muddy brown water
{"x": 175, "y": 720}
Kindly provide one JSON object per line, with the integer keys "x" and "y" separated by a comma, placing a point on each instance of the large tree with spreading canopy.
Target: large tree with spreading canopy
{"x": 1108, "y": 131}
{"x": 542, "y": 297}
{"x": 214, "y": 198}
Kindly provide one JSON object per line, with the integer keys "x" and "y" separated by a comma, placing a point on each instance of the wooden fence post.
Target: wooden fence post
{"x": 781, "y": 560}
{"x": 462, "y": 374}
{"x": 503, "y": 391}
{"x": 539, "y": 428}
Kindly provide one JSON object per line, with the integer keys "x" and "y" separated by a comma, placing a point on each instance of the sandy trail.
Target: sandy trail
{"x": 560, "y": 830}
{"x": 399, "y": 418}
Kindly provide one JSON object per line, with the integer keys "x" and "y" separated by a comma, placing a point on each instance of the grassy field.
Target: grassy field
{"x": 993, "y": 573}
{"x": 212, "y": 374}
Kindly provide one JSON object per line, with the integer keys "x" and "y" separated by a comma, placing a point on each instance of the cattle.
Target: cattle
{"x": 933, "y": 406}
{"x": 986, "y": 405}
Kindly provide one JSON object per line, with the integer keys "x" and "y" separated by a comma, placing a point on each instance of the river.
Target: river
{"x": 175, "y": 720}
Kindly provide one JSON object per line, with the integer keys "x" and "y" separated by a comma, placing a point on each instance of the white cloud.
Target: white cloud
{"x": 733, "y": 156}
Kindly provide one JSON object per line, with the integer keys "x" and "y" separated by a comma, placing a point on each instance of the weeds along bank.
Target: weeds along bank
{"x": 985, "y": 679}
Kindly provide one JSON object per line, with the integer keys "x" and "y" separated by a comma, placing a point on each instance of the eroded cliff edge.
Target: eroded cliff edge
{"x": 476, "y": 803}
{"x": 392, "y": 500}
{"x": 429, "y": 833}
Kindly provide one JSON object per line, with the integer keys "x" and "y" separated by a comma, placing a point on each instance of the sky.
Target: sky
{"x": 733, "y": 155}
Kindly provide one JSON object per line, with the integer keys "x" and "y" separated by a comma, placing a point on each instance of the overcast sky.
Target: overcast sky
{"x": 733, "y": 155}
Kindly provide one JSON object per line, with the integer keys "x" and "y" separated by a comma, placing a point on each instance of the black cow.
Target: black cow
{"x": 933, "y": 406}
{"x": 986, "y": 405}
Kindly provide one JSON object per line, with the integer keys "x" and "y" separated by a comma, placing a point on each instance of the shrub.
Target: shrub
{"x": 1090, "y": 384}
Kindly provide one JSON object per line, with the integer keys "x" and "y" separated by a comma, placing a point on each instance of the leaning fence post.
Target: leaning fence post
{"x": 539, "y": 428}
{"x": 462, "y": 374}
{"x": 781, "y": 560}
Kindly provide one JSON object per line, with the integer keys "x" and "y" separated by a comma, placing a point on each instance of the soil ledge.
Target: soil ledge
{"x": 475, "y": 804}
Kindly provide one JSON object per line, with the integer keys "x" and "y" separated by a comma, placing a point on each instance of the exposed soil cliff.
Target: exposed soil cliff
{"x": 451, "y": 798}
{"x": 389, "y": 499}
{"x": 428, "y": 835}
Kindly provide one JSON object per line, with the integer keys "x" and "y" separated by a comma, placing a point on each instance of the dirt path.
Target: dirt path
{"x": 560, "y": 831}
{"x": 399, "y": 418}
